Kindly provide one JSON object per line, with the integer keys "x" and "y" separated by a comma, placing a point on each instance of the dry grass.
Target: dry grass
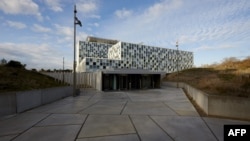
{"x": 19, "y": 79}
{"x": 227, "y": 78}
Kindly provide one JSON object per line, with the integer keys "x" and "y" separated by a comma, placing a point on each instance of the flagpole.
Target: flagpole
{"x": 74, "y": 63}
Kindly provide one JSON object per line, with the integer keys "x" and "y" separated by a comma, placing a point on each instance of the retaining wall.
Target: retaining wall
{"x": 83, "y": 79}
{"x": 215, "y": 105}
{"x": 16, "y": 102}
{"x": 7, "y": 103}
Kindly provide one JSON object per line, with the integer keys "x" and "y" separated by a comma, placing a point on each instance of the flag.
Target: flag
{"x": 78, "y": 21}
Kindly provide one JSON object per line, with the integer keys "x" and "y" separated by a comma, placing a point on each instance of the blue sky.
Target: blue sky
{"x": 39, "y": 33}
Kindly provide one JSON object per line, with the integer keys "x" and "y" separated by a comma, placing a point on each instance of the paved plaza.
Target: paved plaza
{"x": 142, "y": 115}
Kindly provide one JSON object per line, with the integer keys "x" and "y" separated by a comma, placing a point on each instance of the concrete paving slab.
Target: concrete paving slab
{"x": 106, "y": 125}
{"x": 19, "y": 123}
{"x": 147, "y": 97}
{"x": 129, "y": 137}
{"x": 63, "y": 119}
{"x": 105, "y": 107}
{"x": 183, "y": 108}
{"x": 7, "y": 138}
{"x": 146, "y": 115}
{"x": 72, "y": 99}
{"x": 176, "y": 97}
{"x": 157, "y": 95}
{"x": 54, "y": 105}
{"x": 71, "y": 108}
{"x": 147, "y": 108}
{"x": 43, "y": 109}
{"x": 148, "y": 130}
{"x": 110, "y": 95}
{"x": 50, "y": 133}
{"x": 182, "y": 128}
{"x": 217, "y": 125}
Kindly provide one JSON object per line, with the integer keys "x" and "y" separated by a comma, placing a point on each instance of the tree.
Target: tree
{"x": 3, "y": 62}
{"x": 15, "y": 64}
{"x": 42, "y": 70}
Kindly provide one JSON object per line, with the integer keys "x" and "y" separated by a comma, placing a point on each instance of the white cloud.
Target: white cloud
{"x": 65, "y": 31}
{"x": 95, "y": 16}
{"x": 66, "y": 34}
{"x": 96, "y": 24}
{"x": 162, "y": 7}
{"x": 88, "y": 8}
{"x": 18, "y": 25}
{"x": 150, "y": 25}
{"x": 54, "y": 5}
{"x": 215, "y": 47}
{"x": 25, "y": 7}
{"x": 124, "y": 13}
{"x": 34, "y": 55}
{"x": 191, "y": 23}
{"x": 39, "y": 28}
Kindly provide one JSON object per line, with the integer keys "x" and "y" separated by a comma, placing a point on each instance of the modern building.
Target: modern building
{"x": 122, "y": 65}
{"x": 104, "y": 54}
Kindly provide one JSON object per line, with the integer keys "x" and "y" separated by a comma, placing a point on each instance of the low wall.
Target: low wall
{"x": 16, "y": 102}
{"x": 235, "y": 107}
{"x": 53, "y": 94}
{"x": 83, "y": 79}
{"x": 28, "y": 99}
{"x": 215, "y": 105}
{"x": 7, "y": 103}
{"x": 200, "y": 97}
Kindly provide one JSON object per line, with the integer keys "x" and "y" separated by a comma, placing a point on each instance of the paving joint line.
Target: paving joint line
{"x": 123, "y": 107}
{"x": 40, "y": 126}
{"x": 30, "y": 127}
{"x": 91, "y": 97}
{"x": 134, "y": 127}
{"x": 171, "y": 109}
{"x": 107, "y": 136}
{"x": 209, "y": 129}
{"x": 128, "y": 96}
{"x": 161, "y": 127}
{"x": 81, "y": 127}
{"x": 87, "y": 107}
{"x": 6, "y": 135}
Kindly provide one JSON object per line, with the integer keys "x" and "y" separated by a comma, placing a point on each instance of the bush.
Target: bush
{"x": 15, "y": 64}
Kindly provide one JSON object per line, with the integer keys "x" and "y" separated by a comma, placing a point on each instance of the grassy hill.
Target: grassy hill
{"x": 232, "y": 77}
{"x": 19, "y": 79}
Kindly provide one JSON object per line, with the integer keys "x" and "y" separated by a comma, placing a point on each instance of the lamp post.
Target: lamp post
{"x": 177, "y": 64}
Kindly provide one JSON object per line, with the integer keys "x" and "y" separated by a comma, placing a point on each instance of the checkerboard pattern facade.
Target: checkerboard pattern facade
{"x": 96, "y": 56}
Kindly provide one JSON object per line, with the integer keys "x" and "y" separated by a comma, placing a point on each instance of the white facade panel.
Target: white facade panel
{"x": 100, "y": 56}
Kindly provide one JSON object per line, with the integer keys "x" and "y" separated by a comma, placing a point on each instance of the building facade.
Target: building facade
{"x": 104, "y": 54}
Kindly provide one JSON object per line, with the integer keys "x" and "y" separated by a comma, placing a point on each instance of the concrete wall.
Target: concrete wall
{"x": 99, "y": 81}
{"x": 215, "y": 105}
{"x": 200, "y": 97}
{"x": 229, "y": 106}
{"x": 28, "y": 99}
{"x": 83, "y": 79}
{"x": 16, "y": 102}
{"x": 7, "y": 103}
{"x": 53, "y": 94}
